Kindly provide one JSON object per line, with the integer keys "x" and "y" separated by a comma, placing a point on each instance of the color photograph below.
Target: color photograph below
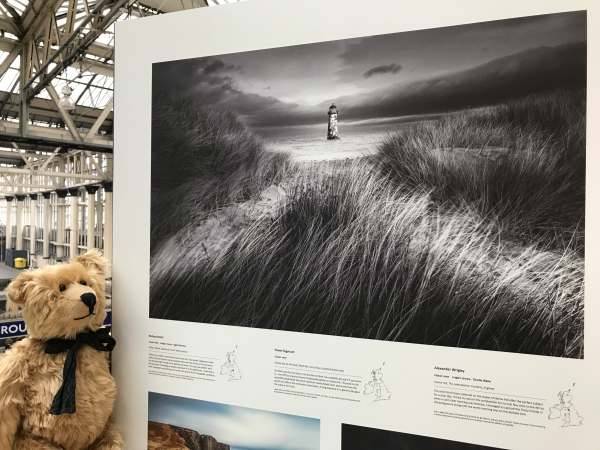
{"x": 178, "y": 423}
{"x": 363, "y": 438}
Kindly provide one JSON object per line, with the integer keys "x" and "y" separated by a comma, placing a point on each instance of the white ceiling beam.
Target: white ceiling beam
{"x": 9, "y": 59}
{"x": 50, "y": 159}
{"x": 36, "y": 14}
{"x": 36, "y": 25}
{"x": 10, "y": 154}
{"x": 71, "y": 47}
{"x": 51, "y": 133}
{"x": 101, "y": 118}
{"x": 56, "y": 99}
{"x": 47, "y": 173}
{"x": 7, "y": 24}
{"x": 23, "y": 156}
{"x": 85, "y": 64}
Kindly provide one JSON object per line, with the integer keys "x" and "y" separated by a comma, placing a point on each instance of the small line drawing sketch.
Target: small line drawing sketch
{"x": 564, "y": 410}
{"x": 230, "y": 367}
{"x": 376, "y": 386}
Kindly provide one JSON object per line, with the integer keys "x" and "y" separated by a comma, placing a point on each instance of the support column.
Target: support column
{"x": 19, "y": 222}
{"x": 100, "y": 217}
{"x": 47, "y": 213}
{"x": 91, "y": 216}
{"x": 9, "y": 211}
{"x": 74, "y": 237}
{"x": 108, "y": 231}
{"x": 33, "y": 226}
{"x": 24, "y": 74}
{"x": 60, "y": 222}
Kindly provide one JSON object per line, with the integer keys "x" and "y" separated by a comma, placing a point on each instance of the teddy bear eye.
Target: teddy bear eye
{"x": 83, "y": 282}
{"x": 62, "y": 287}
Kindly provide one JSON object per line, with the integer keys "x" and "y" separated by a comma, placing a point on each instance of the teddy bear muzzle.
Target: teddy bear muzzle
{"x": 89, "y": 300}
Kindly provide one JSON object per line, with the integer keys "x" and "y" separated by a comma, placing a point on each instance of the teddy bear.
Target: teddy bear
{"x": 56, "y": 390}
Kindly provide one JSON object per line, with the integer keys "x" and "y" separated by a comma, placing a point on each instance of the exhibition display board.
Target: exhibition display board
{"x": 358, "y": 227}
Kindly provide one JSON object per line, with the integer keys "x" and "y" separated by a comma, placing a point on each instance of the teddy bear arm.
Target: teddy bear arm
{"x": 110, "y": 439}
{"x": 11, "y": 395}
{"x": 33, "y": 443}
{"x": 9, "y": 424}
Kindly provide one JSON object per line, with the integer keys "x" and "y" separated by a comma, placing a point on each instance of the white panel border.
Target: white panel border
{"x": 257, "y": 24}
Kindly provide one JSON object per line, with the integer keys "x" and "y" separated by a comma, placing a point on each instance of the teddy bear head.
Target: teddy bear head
{"x": 60, "y": 301}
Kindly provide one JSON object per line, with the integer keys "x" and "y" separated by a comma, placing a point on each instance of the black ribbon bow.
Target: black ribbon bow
{"x": 64, "y": 400}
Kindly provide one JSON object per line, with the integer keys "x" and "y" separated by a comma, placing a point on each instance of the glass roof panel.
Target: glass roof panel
{"x": 89, "y": 89}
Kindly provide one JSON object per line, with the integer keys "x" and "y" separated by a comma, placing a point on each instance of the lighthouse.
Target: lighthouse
{"x": 332, "y": 126}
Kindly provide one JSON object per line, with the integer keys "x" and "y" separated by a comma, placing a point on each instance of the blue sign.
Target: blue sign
{"x": 12, "y": 329}
{"x": 17, "y": 328}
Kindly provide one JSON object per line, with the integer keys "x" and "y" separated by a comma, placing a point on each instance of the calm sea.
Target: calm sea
{"x": 309, "y": 142}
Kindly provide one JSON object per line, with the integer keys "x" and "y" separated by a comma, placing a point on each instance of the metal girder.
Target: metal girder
{"x": 71, "y": 13}
{"x": 26, "y": 50}
{"x": 17, "y": 188}
{"x": 47, "y": 173}
{"x": 13, "y": 156}
{"x": 70, "y": 50}
{"x": 43, "y": 110}
{"x": 89, "y": 64}
{"x": 7, "y": 24}
{"x": 101, "y": 118}
{"x": 9, "y": 59}
{"x": 50, "y": 158}
{"x": 14, "y": 14}
{"x": 35, "y": 13}
{"x": 56, "y": 133}
{"x": 64, "y": 113}
{"x": 26, "y": 67}
{"x": 56, "y": 99}
{"x": 45, "y": 143}
{"x": 34, "y": 27}
{"x": 163, "y": 6}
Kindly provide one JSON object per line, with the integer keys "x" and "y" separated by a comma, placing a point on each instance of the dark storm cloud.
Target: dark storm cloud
{"x": 209, "y": 81}
{"x": 512, "y": 76}
{"x": 383, "y": 69}
{"x": 180, "y": 77}
{"x": 508, "y": 77}
{"x": 426, "y": 53}
{"x": 442, "y": 69}
{"x": 216, "y": 66}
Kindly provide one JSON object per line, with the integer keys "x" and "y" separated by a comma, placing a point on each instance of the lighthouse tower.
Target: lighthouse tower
{"x": 332, "y": 126}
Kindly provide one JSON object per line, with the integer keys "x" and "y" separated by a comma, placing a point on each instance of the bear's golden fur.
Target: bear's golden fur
{"x": 51, "y": 302}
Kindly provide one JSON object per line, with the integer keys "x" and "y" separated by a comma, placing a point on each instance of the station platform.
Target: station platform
{"x": 7, "y": 274}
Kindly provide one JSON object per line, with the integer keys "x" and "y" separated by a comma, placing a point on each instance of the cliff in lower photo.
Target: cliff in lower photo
{"x": 162, "y": 436}
{"x": 177, "y": 423}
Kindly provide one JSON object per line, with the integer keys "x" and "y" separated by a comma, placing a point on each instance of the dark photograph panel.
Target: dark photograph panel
{"x": 424, "y": 187}
{"x": 362, "y": 438}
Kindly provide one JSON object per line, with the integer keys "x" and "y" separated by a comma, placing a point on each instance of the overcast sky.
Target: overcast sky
{"x": 388, "y": 75}
{"x": 241, "y": 428}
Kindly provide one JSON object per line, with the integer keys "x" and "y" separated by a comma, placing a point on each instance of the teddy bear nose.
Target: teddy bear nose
{"x": 89, "y": 300}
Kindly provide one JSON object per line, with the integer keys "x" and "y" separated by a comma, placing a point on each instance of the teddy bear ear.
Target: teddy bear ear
{"x": 93, "y": 259}
{"x": 17, "y": 289}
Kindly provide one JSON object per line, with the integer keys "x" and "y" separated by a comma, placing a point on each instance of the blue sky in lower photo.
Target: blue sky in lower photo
{"x": 241, "y": 428}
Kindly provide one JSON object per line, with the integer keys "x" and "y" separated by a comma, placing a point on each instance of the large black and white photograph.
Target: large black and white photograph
{"x": 424, "y": 187}
{"x": 363, "y": 438}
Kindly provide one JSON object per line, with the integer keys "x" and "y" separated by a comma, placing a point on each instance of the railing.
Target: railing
{"x": 36, "y": 247}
